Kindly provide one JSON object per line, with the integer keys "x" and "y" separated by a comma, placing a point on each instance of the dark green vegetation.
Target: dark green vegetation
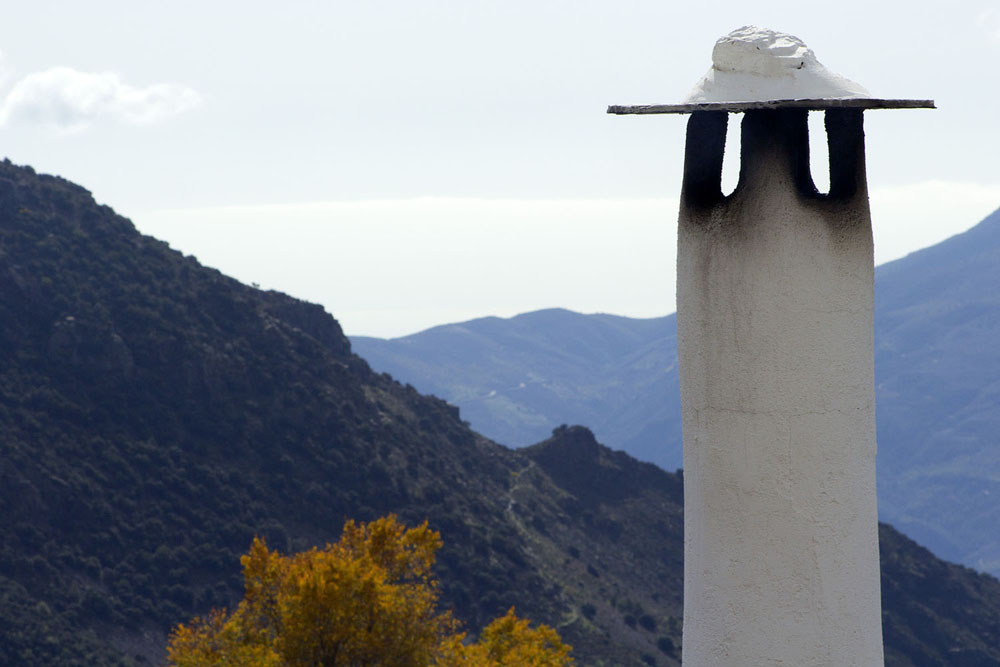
{"x": 951, "y": 621}
{"x": 155, "y": 415}
{"x": 937, "y": 365}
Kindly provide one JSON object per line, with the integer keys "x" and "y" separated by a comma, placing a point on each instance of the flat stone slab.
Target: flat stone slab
{"x": 738, "y": 107}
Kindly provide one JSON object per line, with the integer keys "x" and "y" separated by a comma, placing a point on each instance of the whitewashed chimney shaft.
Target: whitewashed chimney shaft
{"x": 774, "y": 334}
{"x": 774, "y": 315}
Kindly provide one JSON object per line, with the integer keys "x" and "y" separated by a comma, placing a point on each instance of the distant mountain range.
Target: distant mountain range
{"x": 516, "y": 379}
{"x": 155, "y": 415}
{"x": 937, "y": 354}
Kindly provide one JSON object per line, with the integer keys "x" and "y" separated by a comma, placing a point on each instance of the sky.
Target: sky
{"x": 408, "y": 163}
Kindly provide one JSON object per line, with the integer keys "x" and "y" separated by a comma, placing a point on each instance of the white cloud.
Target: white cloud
{"x": 70, "y": 100}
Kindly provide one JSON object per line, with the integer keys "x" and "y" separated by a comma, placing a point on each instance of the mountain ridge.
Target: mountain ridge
{"x": 527, "y": 387}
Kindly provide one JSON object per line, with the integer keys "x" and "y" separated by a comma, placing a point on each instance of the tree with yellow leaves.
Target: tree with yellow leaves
{"x": 369, "y": 599}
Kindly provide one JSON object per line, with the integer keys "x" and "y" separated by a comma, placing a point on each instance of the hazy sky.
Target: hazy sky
{"x": 407, "y": 163}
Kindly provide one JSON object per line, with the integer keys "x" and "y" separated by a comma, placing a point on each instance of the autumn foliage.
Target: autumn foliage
{"x": 369, "y": 599}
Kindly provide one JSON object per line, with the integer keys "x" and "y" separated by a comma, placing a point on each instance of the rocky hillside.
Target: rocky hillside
{"x": 155, "y": 415}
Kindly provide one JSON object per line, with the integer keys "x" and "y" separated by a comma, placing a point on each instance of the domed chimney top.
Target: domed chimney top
{"x": 758, "y": 68}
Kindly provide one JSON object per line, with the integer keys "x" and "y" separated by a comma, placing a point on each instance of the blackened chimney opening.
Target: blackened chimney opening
{"x": 763, "y": 132}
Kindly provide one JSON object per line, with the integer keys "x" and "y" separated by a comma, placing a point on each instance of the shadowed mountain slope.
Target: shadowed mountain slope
{"x": 937, "y": 365}
{"x": 155, "y": 415}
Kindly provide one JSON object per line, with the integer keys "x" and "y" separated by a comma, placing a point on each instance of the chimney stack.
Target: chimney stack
{"x": 774, "y": 316}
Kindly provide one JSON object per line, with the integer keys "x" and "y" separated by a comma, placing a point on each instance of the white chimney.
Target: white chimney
{"x": 774, "y": 317}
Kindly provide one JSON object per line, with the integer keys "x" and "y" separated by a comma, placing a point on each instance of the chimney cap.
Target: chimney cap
{"x": 739, "y": 107}
{"x": 758, "y": 68}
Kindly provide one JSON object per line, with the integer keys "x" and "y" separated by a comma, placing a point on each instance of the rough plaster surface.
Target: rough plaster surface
{"x": 755, "y": 64}
{"x": 774, "y": 312}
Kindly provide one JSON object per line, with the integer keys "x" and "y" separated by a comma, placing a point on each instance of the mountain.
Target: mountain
{"x": 516, "y": 379}
{"x": 937, "y": 367}
{"x": 155, "y": 415}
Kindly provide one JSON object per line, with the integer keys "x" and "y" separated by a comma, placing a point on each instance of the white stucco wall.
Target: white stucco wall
{"x": 774, "y": 319}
